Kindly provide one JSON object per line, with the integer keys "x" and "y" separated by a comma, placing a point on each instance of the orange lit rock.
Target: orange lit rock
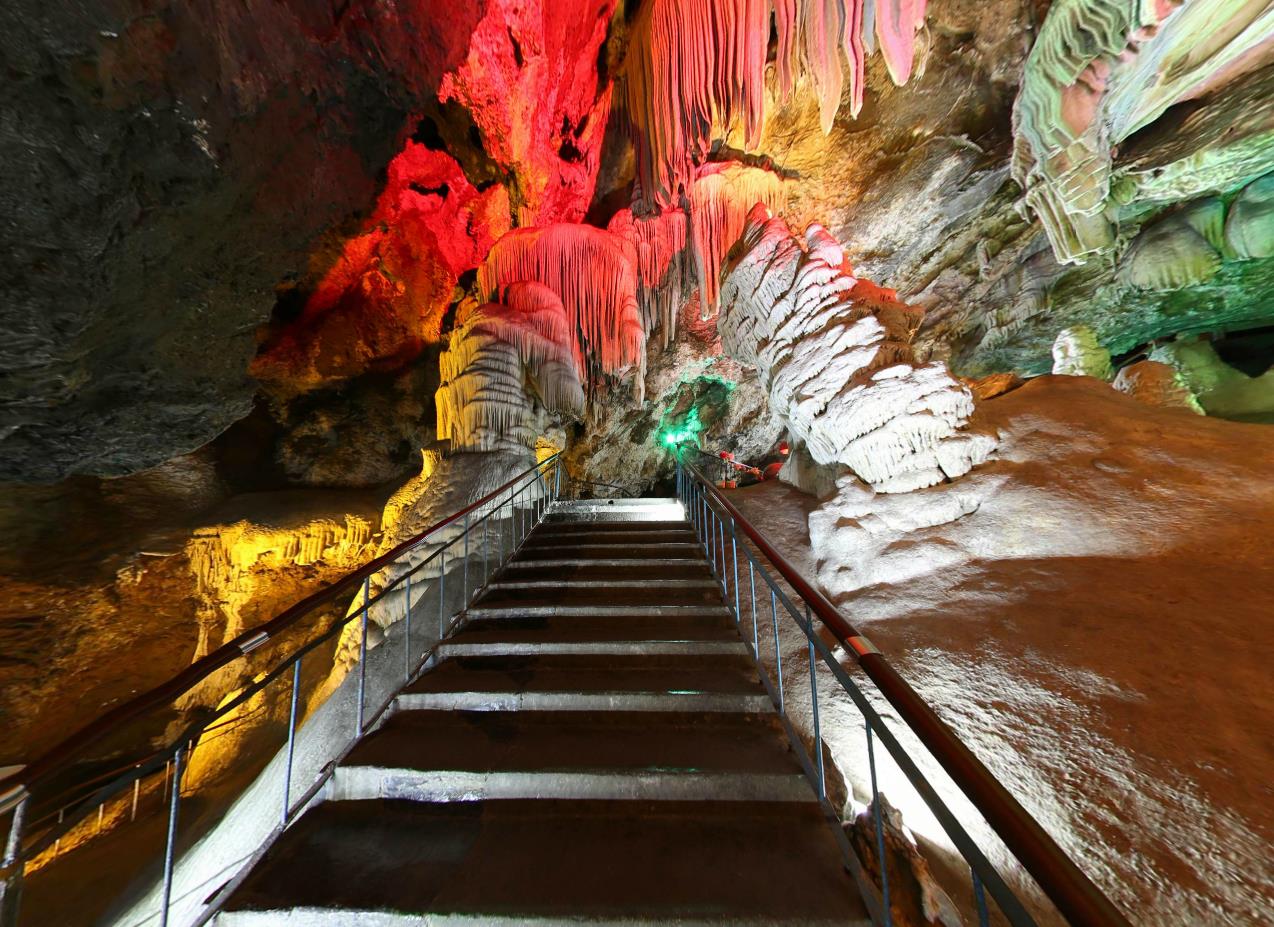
{"x": 384, "y": 297}
{"x": 530, "y": 81}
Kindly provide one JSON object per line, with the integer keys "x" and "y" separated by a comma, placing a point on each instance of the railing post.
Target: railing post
{"x": 880, "y": 830}
{"x": 287, "y": 770}
{"x": 818, "y": 737}
{"x": 756, "y": 650}
{"x": 778, "y": 656}
{"x": 979, "y": 896}
{"x": 170, "y": 848}
{"x": 464, "y": 598}
{"x": 442, "y": 593}
{"x": 407, "y": 628}
{"x": 734, "y": 549}
{"x": 11, "y": 887}
{"x": 362, "y": 656}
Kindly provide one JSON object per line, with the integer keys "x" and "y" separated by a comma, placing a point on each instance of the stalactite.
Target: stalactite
{"x": 594, "y": 273}
{"x": 722, "y": 196}
{"x": 698, "y": 66}
{"x": 821, "y": 28}
{"x": 896, "y": 25}
{"x": 664, "y": 266}
{"x": 834, "y": 355}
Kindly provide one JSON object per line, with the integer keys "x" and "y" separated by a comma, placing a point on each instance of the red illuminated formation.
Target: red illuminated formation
{"x": 663, "y": 265}
{"x": 530, "y": 82}
{"x": 722, "y": 196}
{"x": 695, "y": 66}
{"x": 384, "y": 297}
{"x": 594, "y": 272}
{"x": 896, "y": 25}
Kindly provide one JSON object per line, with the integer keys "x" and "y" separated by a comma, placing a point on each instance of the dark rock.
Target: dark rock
{"x": 162, "y": 167}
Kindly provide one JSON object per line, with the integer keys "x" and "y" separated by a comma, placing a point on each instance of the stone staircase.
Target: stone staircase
{"x": 593, "y": 746}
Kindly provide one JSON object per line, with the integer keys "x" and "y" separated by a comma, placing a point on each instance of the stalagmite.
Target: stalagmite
{"x": 496, "y": 353}
{"x": 507, "y": 367}
{"x": 722, "y": 196}
{"x": 594, "y": 273}
{"x": 1077, "y": 352}
{"x": 1157, "y": 384}
{"x": 835, "y": 358}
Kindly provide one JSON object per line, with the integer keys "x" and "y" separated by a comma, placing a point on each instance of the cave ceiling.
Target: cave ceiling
{"x": 264, "y": 220}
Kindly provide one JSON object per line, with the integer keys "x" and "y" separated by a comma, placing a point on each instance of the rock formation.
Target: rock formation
{"x": 835, "y": 360}
{"x": 507, "y": 366}
{"x": 1099, "y": 71}
{"x": 1078, "y": 353}
{"x": 1156, "y": 384}
{"x": 1220, "y": 389}
{"x": 594, "y": 274}
{"x": 699, "y": 65}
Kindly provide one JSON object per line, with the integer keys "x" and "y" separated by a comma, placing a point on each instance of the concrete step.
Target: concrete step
{"x": 619, "y": 584}
{"x": 654, "y": 566}
{"x": 495, "y": 613}
{"x": 567, "y": 700}
{"x": 659, "y": 545}
{"x": 623, "y": 570}
{"x": 627, "y": 510}
{"x": 672, "y": 756}
{"x": 590, "y": 682}
{"x": 562, "y": 527}
{"x": 731, "y": 673}
{"x": 599, "y": 628}
{"x": 663, "y": 593}
{"x": 683, "y": 552}
{"x": 613, "y": 530}
{"x": 624, "y": 648}
{"x": 395, "y": 863}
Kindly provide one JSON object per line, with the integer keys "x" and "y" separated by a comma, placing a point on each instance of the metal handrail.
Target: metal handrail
{"x": 1072, "y": 892}
{"x": 40, "y": 769}
{"x": 21, "y": 786}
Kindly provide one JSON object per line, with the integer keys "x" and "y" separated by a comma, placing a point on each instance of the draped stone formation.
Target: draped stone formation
{"x": 835, "y": 359}
{"x": 594, "y": 274}
{"x": 699, "y": 65}
{"x": 1099, "y": 71}
{"x": 1061, "y": 155}
{"x": 664, "y": 274}
{"x": 721, "y": 197}
{"x": 507, "y": 368}
{"x": 507, "y": 364}
{"x": 1078, "y": 352}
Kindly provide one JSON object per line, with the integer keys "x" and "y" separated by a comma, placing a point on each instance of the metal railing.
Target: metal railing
{"x": 725, "y": 533}
{"x": 47, "y": 800}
